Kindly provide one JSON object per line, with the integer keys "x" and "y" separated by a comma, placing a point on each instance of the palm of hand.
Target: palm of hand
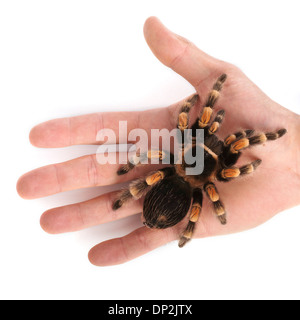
{"x": 249, "y": 201}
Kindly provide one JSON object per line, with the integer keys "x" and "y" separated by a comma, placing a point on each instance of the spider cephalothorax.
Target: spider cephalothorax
{"x": 170, "y": 193}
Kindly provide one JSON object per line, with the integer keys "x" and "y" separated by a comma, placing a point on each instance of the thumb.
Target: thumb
{"x": 178, "y": 53}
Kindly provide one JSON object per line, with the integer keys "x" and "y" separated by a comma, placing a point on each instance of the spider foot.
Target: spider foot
{"x": 183, "y": 241}
{"x": 223, "y": 219}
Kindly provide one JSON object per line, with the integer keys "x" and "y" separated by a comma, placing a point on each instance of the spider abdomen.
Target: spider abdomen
{"x": 167, "y": 203}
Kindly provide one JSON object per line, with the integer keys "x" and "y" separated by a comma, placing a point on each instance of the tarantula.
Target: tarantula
{"x": 170, "y": 193}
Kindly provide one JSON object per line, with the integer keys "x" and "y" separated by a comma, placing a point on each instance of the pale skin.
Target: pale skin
{"x": 249, "y": 201}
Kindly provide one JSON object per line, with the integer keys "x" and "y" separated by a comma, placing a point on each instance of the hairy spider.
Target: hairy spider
{"x": 170, "y": 193}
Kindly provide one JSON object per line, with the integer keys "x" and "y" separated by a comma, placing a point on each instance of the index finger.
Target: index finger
{"x": 83, "y": 129}
{"x": 80, "y": 129}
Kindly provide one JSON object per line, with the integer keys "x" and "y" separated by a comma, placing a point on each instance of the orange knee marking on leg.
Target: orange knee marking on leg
{"x": 155, "y": 154}
{"x": 240, "y": 144}
{"x": 230, "y": 173}
{"x": 212, "y": 193}
{"x": 183, "y": 120}
{"x": 201, "y": 125}
{"x": 154, "y": 178}
{"x": 214, "y": 127}
{"x": 230, "y": 139}
{"x": 195, "y": 213}
{"x": 206, "y": 115}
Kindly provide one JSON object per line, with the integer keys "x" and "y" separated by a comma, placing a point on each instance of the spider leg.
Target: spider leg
{"x": 228, "y": 158}
{"x": 233, "y": 137}
{"x": 244, "y": 140}
{"x": 228, "y": 174}
{"x": 183, "y": 124}
{"x": 194, "y": 217}
{"x": 205, "y": 116}
{"x": 215, "y": 125}
{"x": 183, "y": 118}
{"x": 139, "y": 160}
{"x": 139, "y": 187}
{"x": 214, "y": 197}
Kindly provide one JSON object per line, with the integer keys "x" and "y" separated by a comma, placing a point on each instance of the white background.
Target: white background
{"x": 64, "y": 58}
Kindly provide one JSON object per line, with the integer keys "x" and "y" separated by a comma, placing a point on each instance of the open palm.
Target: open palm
{"x": 249, "y": 201}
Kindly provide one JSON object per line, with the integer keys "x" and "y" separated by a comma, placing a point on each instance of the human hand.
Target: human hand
{"x": 249, "y": 201}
